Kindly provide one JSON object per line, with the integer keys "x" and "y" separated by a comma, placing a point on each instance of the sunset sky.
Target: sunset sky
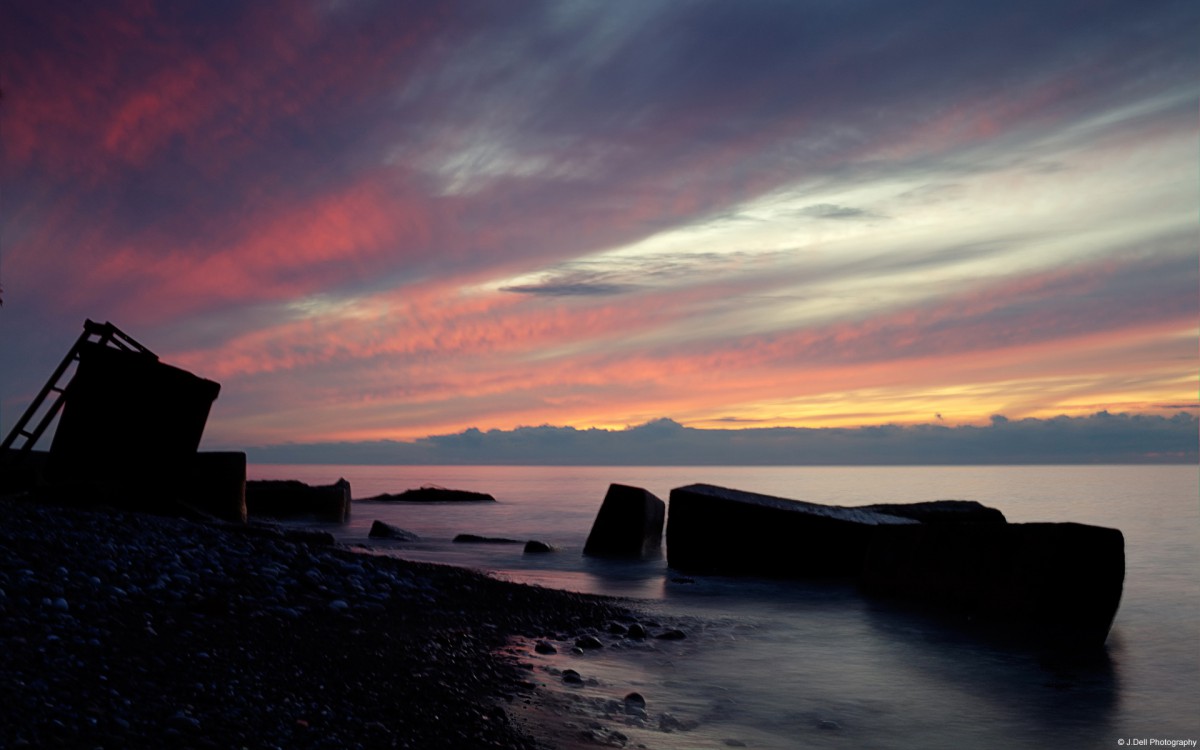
{"x": 384, "y": 220}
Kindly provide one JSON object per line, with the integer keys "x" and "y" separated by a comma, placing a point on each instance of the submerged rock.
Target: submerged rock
{"x": 476, "y": 539}
{"x": 381, "y": 530}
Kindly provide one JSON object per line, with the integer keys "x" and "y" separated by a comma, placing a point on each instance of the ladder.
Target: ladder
{"x": 105, "y": 334}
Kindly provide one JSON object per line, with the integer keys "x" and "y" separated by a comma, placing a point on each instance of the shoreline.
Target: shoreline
{"x": 128, "y": 630}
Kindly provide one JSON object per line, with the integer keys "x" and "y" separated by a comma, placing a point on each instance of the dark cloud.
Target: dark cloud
{"x": 571, "y": 289}
{"x": 834, "y": 211}
{"x": 1099, "y": 438}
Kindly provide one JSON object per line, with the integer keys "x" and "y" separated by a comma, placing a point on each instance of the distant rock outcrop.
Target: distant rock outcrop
{"x": 628, "y": 525}
{"x": 432, "y": 494}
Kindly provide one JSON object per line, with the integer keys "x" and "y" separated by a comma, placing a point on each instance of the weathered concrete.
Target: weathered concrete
{"x": 21, "y": 471}
{"x": 121, "y": 404}
{"x": 216, "y": 484}
{"x": 629, "y": 524}
{"x": 940, "y": 511}
{"x": 289, "y": 498}
{"x": 725, "y": 531}
{"x": 1056, "y": 583}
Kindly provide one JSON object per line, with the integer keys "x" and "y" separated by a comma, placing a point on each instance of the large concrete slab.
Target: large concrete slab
{"x": 1056, "y": 583}
{"x": 726, "y": 531}
{"x": 629, "y": 525}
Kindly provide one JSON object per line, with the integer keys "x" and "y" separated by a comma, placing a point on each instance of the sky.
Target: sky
{"x": 380, "y": 221}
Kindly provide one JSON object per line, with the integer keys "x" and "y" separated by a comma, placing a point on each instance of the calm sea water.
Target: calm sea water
{"x": 784, "y": 665}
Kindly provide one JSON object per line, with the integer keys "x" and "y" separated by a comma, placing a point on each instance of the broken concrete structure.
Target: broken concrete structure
{"x": 289, "y": 498}
{"x": 1055, "y": 584}
{"x": 129, "y": 428}
{"x": 719, "y": 530}
{"x": 629, "y": 524}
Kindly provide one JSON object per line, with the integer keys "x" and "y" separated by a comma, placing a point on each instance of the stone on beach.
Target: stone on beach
{"x": 381, "y": 530}
{"x": 629, "y": 524}
{"x": 125, "y": 630}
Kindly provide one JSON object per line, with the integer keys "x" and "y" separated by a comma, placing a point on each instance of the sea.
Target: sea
{"x": 779, "y": 664}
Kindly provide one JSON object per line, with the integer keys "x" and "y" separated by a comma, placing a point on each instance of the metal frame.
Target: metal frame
{"x": 105, "y": 334}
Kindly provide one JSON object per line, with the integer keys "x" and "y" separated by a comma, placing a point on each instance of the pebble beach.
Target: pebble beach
{"x": 125, "y": 630}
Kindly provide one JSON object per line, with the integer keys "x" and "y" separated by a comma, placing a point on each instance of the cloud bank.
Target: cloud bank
{"x": 1101, "y": 438}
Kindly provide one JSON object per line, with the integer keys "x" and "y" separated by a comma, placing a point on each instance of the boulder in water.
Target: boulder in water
{"x": 628, "y": 525}
{"x": 381, "y": 530}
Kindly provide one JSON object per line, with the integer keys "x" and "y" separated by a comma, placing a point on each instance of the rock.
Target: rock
{"x": 725, "y": 531}
{"x": 537, "y": 548}
{"x": 940, "y": 511}
{"x": 1057, "y": 584}
{"x": 476, "y": 539}
{"x": 671, "y": 635}
{"x": 289, "y": 498}
{"x": 571, "y": 677}
{"x": 545, "y": 647}
{"x": 589, "y": 641}
{"x": 635, "y": 705}
{"x": 628, "y": 525}
{"x": 317, "y": 537}
{"x": 434, "y": 494}
{"x": 636, "y": 632}
{"x": 668, "y": 722}
{"x": 381, "y": 530}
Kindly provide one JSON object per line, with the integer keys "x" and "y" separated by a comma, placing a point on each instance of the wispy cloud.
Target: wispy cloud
{"x": 378, "y": 220}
